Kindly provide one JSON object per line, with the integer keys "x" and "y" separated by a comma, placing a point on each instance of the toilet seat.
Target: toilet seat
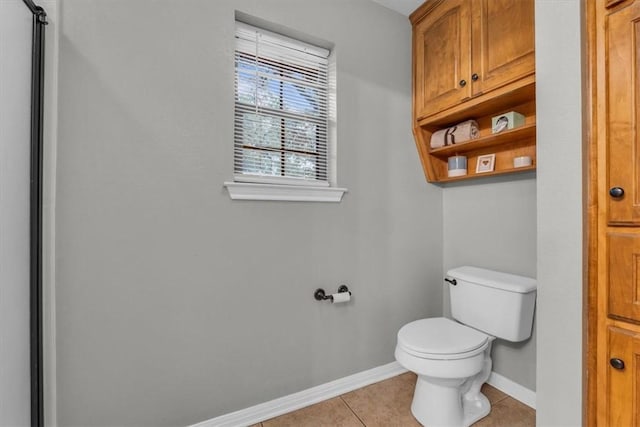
{"x": 441, "y": 338}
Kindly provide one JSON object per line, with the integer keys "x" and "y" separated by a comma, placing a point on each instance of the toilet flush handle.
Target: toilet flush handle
{"x": 452, "y": 281}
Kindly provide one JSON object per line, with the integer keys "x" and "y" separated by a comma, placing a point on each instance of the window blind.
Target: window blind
{"x": 281, "y": 109}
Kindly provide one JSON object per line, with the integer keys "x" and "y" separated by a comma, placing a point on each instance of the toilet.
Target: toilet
{"x": 452, "y": 358}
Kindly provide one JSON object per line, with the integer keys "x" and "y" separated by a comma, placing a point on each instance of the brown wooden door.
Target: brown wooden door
{"x": 442, "y": 48}
{"x": 503, "y": 43}
{"x": 624, "y": 275}
{"x": 623, "y": 378}
{"x": 613, "y": 95}
{"x": 623, "y": 108}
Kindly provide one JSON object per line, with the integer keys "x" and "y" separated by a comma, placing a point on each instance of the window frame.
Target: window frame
{"x": 282, "y": 187}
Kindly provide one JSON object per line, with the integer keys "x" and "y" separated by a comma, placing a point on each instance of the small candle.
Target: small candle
{"x": 457, "y": 165}
{"x": 522, "y": 161}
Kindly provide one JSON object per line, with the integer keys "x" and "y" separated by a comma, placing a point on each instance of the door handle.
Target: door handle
{"x": 616, "y": 192}
{"x": 617, "y": 363}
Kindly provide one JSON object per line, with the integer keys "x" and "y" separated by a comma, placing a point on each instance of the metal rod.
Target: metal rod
{"x": 35, "y": 285}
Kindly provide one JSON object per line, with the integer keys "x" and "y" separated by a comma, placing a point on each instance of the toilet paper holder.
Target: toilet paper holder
{"x": 321, "y": 295}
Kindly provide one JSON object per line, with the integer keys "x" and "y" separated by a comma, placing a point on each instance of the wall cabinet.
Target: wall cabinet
{"x": 613, "y": 357}
{"x": 463, "y": 51}
{"x": 473, "y": 60}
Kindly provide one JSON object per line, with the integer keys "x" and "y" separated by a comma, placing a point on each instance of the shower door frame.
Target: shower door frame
{"x": 35, "y": 273}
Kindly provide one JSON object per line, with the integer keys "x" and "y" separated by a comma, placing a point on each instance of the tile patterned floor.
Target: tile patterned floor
{"x": 388, "y": 403}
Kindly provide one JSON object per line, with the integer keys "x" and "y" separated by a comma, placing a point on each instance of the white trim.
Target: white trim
{"x": 292, "y": 193}
{"x": 295, "y": 401}
{"x": 513, "y": 389}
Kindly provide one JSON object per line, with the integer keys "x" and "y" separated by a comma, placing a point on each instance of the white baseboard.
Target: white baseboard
{"x": 295, "y": 401}
{"x": 515, "y": 390}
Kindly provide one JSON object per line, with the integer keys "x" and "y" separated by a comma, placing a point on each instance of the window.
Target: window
{"x": 281, "y": 121}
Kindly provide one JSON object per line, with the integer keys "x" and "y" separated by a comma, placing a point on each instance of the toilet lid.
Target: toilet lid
{"x": 440, "y": 335}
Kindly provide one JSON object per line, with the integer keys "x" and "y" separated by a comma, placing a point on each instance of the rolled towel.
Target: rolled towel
{"x": 462, "y": 132}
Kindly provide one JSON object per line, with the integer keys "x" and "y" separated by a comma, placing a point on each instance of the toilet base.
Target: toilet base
{"x": 449, "y": 409}
{"x": 474, "y": 411}
{"x": 452, "y": 402}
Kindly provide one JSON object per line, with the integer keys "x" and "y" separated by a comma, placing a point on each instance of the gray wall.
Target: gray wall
{"x": 175, "y": 304}
{"x": 15, "y": 131}
{"x": 559, "y": 194}
{"x": 48, "y": 209}
{"x": 492, "y": 223}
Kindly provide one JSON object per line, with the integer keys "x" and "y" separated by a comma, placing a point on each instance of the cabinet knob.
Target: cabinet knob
{"x": 463, "y": 83}
{"x": 617, "y": 363}
{"x": 474, "y": 77}
{"x": 616, "y": 192}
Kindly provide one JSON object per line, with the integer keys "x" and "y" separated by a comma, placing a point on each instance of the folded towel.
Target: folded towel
{"x": 462, "y": 132}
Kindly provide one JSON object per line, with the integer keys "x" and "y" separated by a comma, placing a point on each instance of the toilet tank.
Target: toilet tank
{"x": 499, "y": 304}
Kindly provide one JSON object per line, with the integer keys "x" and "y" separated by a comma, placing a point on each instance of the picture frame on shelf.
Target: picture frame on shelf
{"x": 485, "y": 163}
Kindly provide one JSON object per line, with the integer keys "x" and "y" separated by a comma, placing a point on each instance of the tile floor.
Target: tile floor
{"x": 388, "y": 403}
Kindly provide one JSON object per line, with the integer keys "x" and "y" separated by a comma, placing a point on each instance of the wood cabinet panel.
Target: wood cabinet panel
{"x": 623, "y": 107}
{"x": 624, "y": 275}
{"x": 623, "y": 382}
{"x": 441, "y": 49}
{"x": 503, "y": 43}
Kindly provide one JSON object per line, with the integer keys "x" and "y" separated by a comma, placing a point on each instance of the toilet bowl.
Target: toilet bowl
{"x": 452, "y": 357}
{"x": 452, "y": 362}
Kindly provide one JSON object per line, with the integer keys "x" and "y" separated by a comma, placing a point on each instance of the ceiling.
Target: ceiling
{"x": 404, "y": 7}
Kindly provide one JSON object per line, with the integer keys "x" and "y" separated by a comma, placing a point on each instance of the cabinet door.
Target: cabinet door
{"x": 623, "y": 378}
{"x": 624, "y": 275}
{"x": 503, "y": 43}
{"x": 623, "y": 107}
{"x": 441, "y": 43}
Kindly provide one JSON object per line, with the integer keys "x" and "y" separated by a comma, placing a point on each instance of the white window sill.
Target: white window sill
{"x": 291, "y": 193}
